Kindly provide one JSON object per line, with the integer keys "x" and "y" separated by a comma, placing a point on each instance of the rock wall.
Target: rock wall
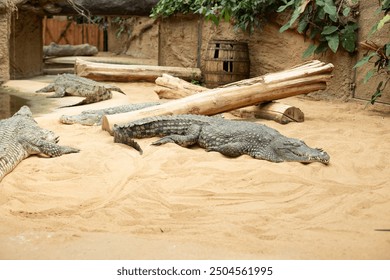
{"x": 184, "y": 40}
{"x": 26, "y": 45}
{"x": 5, "y": 20}
{"x": 366, "y": 21}
{"x": 139, "y": 40}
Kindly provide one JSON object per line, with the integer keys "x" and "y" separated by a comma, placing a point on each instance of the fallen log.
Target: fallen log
{"x": 170, "y": 87}
{"x": 305, "y": 78}
{"x": 275, "y": 111}
{"x": 69, "y": 50}
{"x": 131, "y": 73}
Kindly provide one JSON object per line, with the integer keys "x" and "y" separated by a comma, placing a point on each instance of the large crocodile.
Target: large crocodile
{"x": 20, "y": 137}
{"x": 229, "y": 137}
{"x": 70, "y": 84}
{"x": 94, "y": 117}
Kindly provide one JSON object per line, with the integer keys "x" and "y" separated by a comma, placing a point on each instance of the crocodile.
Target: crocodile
{"x": 231, "y": 138}
{"x": 70, "y": 84}
{"x": 20, "y": 137}
{"x": 94, "y": 117}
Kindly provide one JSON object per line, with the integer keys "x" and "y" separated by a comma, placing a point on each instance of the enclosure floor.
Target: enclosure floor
{"x": 109, "y": 202}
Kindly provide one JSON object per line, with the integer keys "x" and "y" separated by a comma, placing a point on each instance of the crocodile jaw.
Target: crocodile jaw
{"x": 297, "y": 150}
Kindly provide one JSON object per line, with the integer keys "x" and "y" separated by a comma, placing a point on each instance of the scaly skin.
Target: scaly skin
{"x": 20, "y": 137}
{"x": 69, "y": 84}
{"x": 230, "y": 138}
{"x": 94, "y": 117}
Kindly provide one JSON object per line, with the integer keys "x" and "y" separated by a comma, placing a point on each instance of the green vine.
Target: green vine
{"x": 378, "y": 56}
{"x": 244, "y": 14}
{"x": 327, "y": 23}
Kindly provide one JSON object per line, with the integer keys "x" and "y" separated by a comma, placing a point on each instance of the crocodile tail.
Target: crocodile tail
{"x": 114, "y": 88}
{"x": 127, "y": 141}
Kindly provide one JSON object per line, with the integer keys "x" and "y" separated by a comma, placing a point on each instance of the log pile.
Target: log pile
{"x": 169, "y": 87}
{"x": 301, "y": 79}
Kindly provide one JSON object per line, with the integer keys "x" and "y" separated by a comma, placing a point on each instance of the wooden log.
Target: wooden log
{"x": 302, "y": 79}
{"x": 69, "y": 50}
{"x": 276, "y": 111}
{"x": 71, "y": 60}
{"x": 170, "y": 87}
{"x": 131, "y": 73}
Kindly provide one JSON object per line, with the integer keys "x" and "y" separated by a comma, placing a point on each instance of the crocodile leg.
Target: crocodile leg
{"x": 37, "y": 146}
{"x": 189, "y": 138}
{"x": 265, "y": 155}
{"x": 48, "y": 88}
{"x": 229, "y": 149}
{"x": 59, "y": 92}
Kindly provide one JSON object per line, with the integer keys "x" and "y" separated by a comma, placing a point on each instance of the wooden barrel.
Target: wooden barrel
{"x": 226, "y": 62}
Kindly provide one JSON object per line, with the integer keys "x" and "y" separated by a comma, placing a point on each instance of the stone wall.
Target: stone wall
{"x": 184, "y": 40}
{"x": 5, "y": 20}
{"x": 367, "y": 19}
{"x": 26, "y": 46}
{"x": 141, "y": 40}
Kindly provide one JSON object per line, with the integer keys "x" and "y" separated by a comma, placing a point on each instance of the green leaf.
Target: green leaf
{"x": 383, "y": 21}
{"x": 346, "y": 11}
{"x": 322, "y": 47}
{"x": 348, "y": 39}
{"x": 348, "y": 44}
{"x": 293, "y": 18}
{"x": 364, "y": 60}
{"x": 377, "y": 94}
{"x": 330, "y": 9}
{"x": 387, "y": 49}
{"x": 329, "y": 30}
{"x": 309, "y": 51}
{"x": 284, "y": 7}
{"x": 302, "y": 25}
{"x": 369, "y": 75}
{"x": 321, "y": 14}
{"x": 333, "y": 42}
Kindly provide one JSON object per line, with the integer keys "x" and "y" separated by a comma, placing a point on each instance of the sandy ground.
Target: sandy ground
{"x": 109, "y": 202}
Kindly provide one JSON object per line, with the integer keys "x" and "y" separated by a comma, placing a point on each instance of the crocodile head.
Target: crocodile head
{"x": 290, "y": 149}
{"x": 84, "y": 119}
{"x": 24, "y": 111}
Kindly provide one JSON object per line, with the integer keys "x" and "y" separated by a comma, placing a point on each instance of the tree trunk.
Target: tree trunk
{"x": 301, "y": 79}
{"x": 173, "y": 88}
{"x": 170, "y": 87}
{"x": 69, "y": 50}
{"x": 276, "y": 111}
{"x": 131, "y": 73}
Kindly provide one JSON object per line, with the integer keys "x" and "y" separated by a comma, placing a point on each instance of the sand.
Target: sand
{"x": 109, "y": 202}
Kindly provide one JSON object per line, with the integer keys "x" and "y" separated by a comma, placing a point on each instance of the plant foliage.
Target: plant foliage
{"x": 243, "y": 14}
{"x": 322, "y": 21}
{"x": 327, "y": 24}
{"x": 378, "y": 56}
